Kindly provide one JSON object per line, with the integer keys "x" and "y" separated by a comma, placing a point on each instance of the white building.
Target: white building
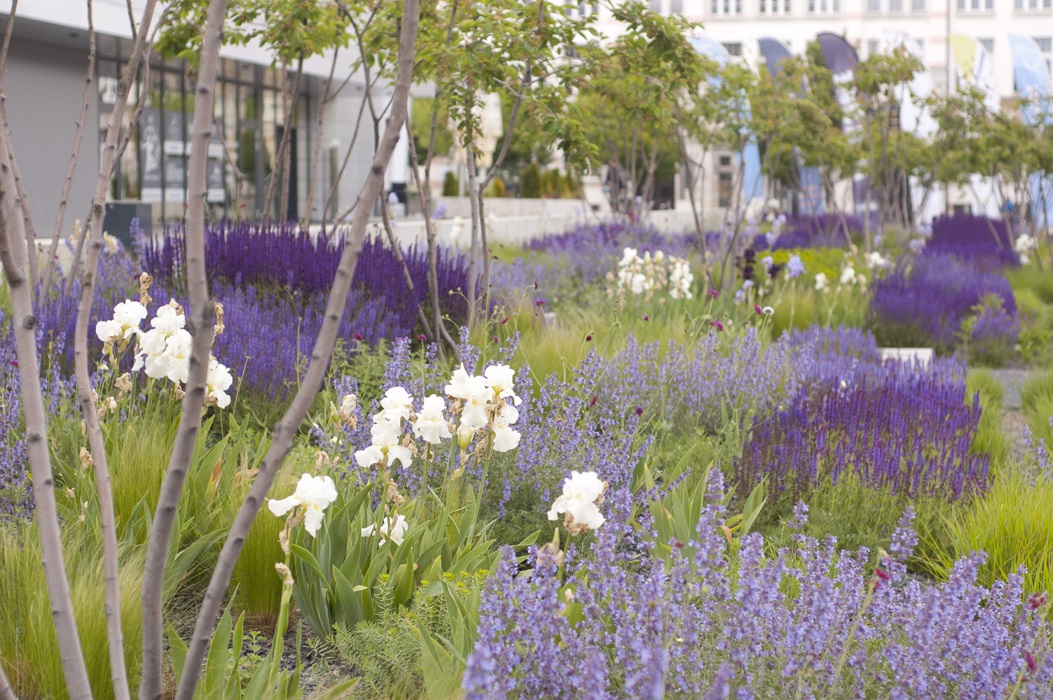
{"x": 738, "y": 24}
{"x": 867, "y": 25}
{"x": 44, "y": 81}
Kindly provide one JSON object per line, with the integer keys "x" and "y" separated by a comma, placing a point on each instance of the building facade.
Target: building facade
{"x": 739, "y": 24}
{"x": 870, "y": 26}
{"x": 44, "y": 83}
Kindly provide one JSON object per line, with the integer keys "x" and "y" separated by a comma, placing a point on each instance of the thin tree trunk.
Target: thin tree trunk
{"x": 406, "y": 275}
{"x": 473, "y": 255}
{"x": 424, "y": 192}
{"x": 6, "y": 691}
{"x": 294, "y": 103}
{"x": 384, "y": 215}
{"x": 13, "y": 256}
{"x": 484, "y": 244}
{"x": 239, "y": 177}
{"x": 425, "y": 199}
{"x": 31, "y": 234}
{"x": 343, "y": 166}
{"x": 93, "y": 233}
{"x": 317, "y": 155}
{"x": 286, "y": 429}
{"x": 78, "y": 250}
{"x": 78, "y": 135}
{"x": 200, "y": 324}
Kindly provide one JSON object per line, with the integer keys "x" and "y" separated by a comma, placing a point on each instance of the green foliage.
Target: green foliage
{"x": 1037, "y": 397}
{"x": 421, "y": 109}
{"x": 340, "y": 573}
{"x": 451, "y": 186}
{"x": 259, "y": 591}
{"x": 991, "y": 352}
{"x": 530, "y": 182}
{"x": 675, "y": 517}
{"x": 28, "y": 645}
{"x": 1033, "y": 289}
{"x": 634, "y": 95}
{"x": 289, "y": 29}
{"x": 989, "y": 437}
{"x": 1012, "y": 523}
{"x": 496, "y": 188}
{"x": 1034, "y": 279}
{"x": 857, "y": 515}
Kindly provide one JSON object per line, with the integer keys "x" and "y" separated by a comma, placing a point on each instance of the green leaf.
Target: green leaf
{"x": 216, "y": 664}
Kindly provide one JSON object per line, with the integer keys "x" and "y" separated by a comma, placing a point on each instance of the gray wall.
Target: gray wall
{"x": 43, "y": 85}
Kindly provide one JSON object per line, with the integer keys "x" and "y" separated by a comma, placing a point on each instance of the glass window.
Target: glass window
{"x": 1045, "y": 43}
{"x": 917, "y": 5}
{"x": 988, "y": 45}
{"x": 676, "y": 7}
{"x": 895, "y": 5}
{"x": 656, "y": 6}
{"x": 874, "y": 6}
{"x": 734, "y": 48}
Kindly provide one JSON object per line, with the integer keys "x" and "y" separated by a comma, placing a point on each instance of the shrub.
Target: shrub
{"x": 982, "y": 242}
{"x": 893, "y": 426}
{"x": 736, "y": 623}
{"x": 552, "y": 184}
{"x": 496, "y": 188}
{"x": 451, "y": 186}
{"x": 530, "y": 182}
{"x": 926, "y": 305}
{"x": 990, "y": 334}
{"x": 821, "y": 231}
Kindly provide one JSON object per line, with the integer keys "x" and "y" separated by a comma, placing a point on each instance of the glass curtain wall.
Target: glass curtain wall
{"x": 243, "y": 151}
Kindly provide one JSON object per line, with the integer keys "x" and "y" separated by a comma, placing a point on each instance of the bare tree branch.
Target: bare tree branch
{"x": 286, "y": 429}
{"x": 78, "y": 134}
{"x": 13, "y": 257}
{"x": 200, "y": 325}
{"x": 20, "y": 187}
{"x": 7, "y": 35}
{"x": 85, "y": 400}
{"x": 327, "y": 96}
{"x": 6, "y": 691}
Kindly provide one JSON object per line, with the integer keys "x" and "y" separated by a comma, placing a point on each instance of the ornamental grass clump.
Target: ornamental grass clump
{"x": 728, "y": 620}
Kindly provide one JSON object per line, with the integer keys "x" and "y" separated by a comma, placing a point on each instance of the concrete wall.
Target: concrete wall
{"x": 43, "y": 85}
{"x": 518, "y": 230}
